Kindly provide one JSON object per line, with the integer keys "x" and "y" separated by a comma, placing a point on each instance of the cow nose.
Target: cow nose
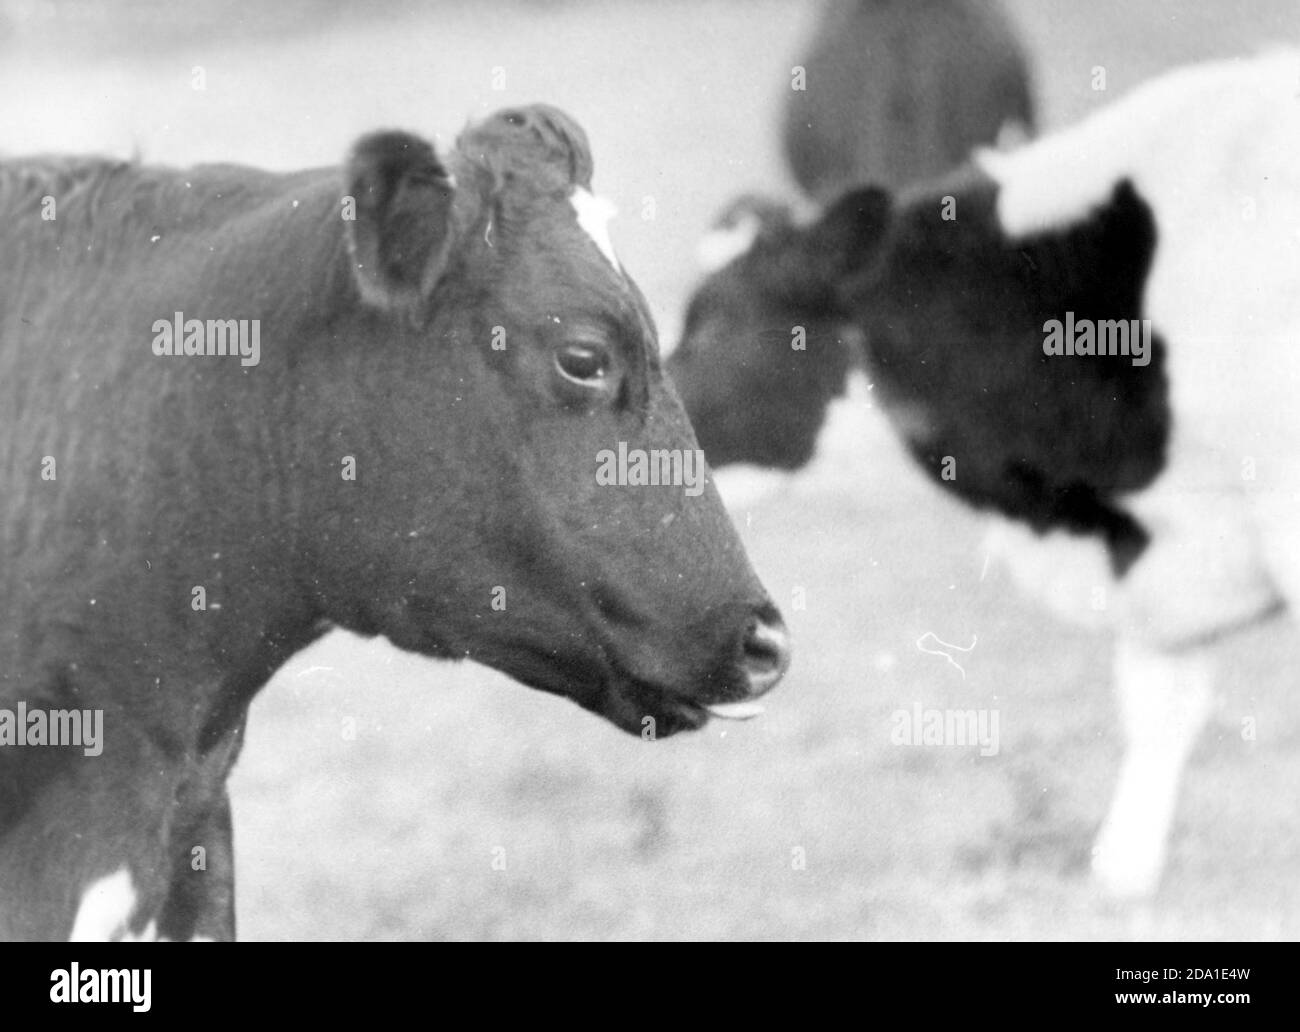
{"x": 765, "y": 652}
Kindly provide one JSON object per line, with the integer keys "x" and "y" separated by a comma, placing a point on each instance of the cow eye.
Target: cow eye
{"x": 584, "y": 363}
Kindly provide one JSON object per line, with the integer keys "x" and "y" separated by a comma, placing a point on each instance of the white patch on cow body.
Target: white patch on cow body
{"x": 1202, "y": 573}
{"x": 594, "y": 214}
{"x": 106, "y": 907}
{"x": 1060, "y": 569}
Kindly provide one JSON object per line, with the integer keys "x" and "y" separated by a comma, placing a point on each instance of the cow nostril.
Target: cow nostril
{"x": 765, "y": 653}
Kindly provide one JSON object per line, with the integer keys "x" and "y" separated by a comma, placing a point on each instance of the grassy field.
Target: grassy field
{"x": 467, "y": 807}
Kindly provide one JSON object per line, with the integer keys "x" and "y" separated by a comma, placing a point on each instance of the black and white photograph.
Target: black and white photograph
{"x": 620, "y": 471}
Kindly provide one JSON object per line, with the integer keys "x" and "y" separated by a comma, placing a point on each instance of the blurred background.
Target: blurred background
{"x": 384, "y": 796}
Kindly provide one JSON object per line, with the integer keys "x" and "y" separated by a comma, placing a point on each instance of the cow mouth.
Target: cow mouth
{"x": 602, "y": 686}
{"x": 630, "y": 704}
{"x": 639, "y": 707}
{"x": 735, "y": 710}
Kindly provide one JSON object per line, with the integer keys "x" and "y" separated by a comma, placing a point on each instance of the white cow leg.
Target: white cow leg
{"x": 1165, "y": 699}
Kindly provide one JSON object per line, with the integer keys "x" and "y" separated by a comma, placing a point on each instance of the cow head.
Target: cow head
{"x": 505, "y": 403}
{"x": 766, "y": 344}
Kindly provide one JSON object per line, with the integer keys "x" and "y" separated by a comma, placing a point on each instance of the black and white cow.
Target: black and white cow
{"x": 1096, "y": 339}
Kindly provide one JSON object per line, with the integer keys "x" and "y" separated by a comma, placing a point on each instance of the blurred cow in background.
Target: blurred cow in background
{"x": 902, "y": 90}
{"x": 1095, "y": 338}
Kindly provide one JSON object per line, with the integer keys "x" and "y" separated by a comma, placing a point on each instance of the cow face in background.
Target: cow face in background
{"x": 766, "y": 343}
{"x": 514, "y": 361}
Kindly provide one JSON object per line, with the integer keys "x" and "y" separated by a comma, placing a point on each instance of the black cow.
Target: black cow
{"x": 241, "y": 408}
{"x": 1094, "y": 338}
{"x": 899, "y": 91}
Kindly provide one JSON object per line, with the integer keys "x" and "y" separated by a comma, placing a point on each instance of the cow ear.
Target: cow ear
{"x": 847, "y": 239}
{"x": 402, "y": 232}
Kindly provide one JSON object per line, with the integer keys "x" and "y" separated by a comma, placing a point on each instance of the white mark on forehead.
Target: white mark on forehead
{"x": 106, "y": 907}
{"x": 594, "y": 214}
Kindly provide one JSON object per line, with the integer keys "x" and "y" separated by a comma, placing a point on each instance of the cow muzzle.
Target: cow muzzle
{"x": 764, "y": 659}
